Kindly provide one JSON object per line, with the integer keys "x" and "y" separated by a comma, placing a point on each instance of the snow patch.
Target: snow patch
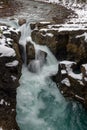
{"x": 66, "y": 82}
{"x": 6, "y": 51}
{"x": 12, "y": 64}
{"x": 68, "y": 65}
{"x": 63, "y": 71}
{"x": 1, "y": 128}
{"x": 83, "y": 35}
{"x": 2, "y": 101}
{"x": 45, "y": 22}
{"x": 75, "y": 76}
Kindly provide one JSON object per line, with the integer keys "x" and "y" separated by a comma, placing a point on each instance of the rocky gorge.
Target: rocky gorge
{"x": 67, "y": 42}
{"x": 69, "y": 47}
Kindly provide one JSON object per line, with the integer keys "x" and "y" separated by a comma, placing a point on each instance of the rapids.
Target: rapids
{"x": 40, "y": 105}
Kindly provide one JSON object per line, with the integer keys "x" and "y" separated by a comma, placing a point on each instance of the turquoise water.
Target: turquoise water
{"x": 40, "y": 106}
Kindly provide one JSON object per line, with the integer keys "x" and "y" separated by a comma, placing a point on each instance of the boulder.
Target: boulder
{"x": 30, "y": 52}
{"x": 21, "y": 21}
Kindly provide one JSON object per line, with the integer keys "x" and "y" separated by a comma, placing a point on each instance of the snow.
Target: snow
{"x": 69, "y": 71}
{"x": 48, "y": 34}
{"x": 75, "y": 76}
{"x": 81, "y": 83}
{"x": 6, "y": 51}
{"x": 85, "y": 79}
{"x": 83, "y": 35}
{"x": 13, "y": 77}
{"x": 66, "y": 82}
{"x": 2, "y": 101}
{"x": 6, "y": 32}
{"x": 45, "y": 22}
{"x": 79, "y": 97}
{"x": 85, "y": 66}
{"x": 63, "y": 71}
{"x": 44, "y": 29}
{"x": 68, "y": 65}
{"x": 67, "y": 62}
{"x": 78, "y": 20}
{"x": 12, "y": 64}
{"x": 3, "y": 40}
{"x": 3, "y": 28}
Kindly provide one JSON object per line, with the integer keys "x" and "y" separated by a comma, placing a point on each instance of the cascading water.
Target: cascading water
{"x": 40, "y": 106}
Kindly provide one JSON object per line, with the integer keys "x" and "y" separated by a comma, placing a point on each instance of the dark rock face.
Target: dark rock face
{"x": 66, "y": 45}
{"x": 10, "y": 72}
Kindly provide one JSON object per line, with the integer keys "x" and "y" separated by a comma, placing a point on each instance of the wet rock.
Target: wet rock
{"x": 22, "y": 52}
{"x": 41, "y": 56}
{"x": 32, "y": 26}
{"x": 36, "y": 64}
{"x": 21, "y": 21}
{"x": 30, "y": 52}
{"x": 45, "y": 39}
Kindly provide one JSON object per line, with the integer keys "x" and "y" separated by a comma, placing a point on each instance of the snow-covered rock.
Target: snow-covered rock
{"x": 10, "y": 72}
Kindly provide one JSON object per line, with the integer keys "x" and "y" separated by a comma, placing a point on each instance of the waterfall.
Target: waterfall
{"x": 40, "y": 106}
{"x": 25, "y": 32}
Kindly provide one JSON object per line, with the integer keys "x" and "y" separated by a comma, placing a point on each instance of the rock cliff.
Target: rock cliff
{"x": 10, "y": 72}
